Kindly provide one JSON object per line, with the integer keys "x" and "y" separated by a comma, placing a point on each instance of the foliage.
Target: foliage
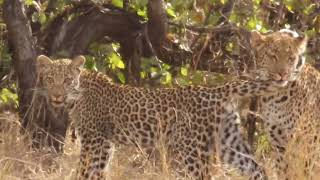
{"x": 258, "y": 15}
{"x": 191, "y": 29}
{"x": 8, "y": 97}
{"x": 251, "y": 15}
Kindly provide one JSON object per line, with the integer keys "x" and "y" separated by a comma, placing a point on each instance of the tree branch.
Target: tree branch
{"x": 157, "y": 23}
{"x": 92, "y": 23}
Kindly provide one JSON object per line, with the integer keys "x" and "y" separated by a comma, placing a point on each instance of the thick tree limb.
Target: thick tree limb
{"x": 69, "y": 38}
{"x": 20, "y": 36}
{"x": 157, "y": 23}
{"x": 74, "y": 36}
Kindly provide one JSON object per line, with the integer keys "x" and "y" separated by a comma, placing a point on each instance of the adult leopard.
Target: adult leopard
{"x": 294, "y": 107}
{"x": 193, "y": 121}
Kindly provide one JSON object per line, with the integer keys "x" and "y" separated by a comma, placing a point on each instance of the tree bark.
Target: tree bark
{"x": 20, "y": 36}
{"x": 47, "y": 126}
{"x": 157, "y": 23}
{"x": 70, "y": 38}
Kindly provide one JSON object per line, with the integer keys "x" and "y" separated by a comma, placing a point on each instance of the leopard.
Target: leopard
{"x": 195, "y": 122}
{"x": 281, "y": 55}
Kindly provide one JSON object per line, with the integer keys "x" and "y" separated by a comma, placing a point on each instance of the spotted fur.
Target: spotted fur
{"x": 194, "y": 122}
{"x": 295, "y": 106}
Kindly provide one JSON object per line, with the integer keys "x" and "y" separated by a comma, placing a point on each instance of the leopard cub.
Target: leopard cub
{"x": 194, "y": 121}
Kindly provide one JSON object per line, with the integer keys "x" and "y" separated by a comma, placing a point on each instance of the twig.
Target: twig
{"x": 206, "y": 21}
{"x": 221, "y": 28}
{"x": 195, "y": 64}
{"x": 146, "y": 35}
{"x": 19, "y": 160}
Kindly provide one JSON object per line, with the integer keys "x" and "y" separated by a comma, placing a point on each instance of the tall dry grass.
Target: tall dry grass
{"x": 304, "y": 148}
{"x": 17, "y": 161}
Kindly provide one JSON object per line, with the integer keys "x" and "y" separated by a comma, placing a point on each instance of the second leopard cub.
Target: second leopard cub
{"x": 294, "y": 109}
{"x": 194, "y": 122}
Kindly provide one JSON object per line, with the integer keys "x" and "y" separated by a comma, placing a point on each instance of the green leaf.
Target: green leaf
{"x": 311, "y": 32}
{"x": 154, "y": 70}
{"x": 39, "y": 17}
{"x": 116, "y": 60}
{"x": 143, "y": 74}
{"x": 252, "y": 24}
{"x": 91, "y": 63}
{"x": 197, "y": 77}
{"x": 230, "y": 46}
{"x": 170, "y": 12}
{"x": 121, "y": 77}
{"x": 142, "y": 12}
{"x": 117, "y": 3}
{"x": 28, "y": 2}
{"x": 42, "y": 17}
{"x": 115, "y": 46}
{"x": 34, "y": 17}
{"x": 184, "y": 71}
{"x": 6, "y": 95}
{"x": 182, "y": 81}
{"x": 309, "y": 9}
{"x": 167, "y": 78}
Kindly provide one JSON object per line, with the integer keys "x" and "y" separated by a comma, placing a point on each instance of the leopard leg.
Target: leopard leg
{"x": 278, "y": 135}
{"x": 192, "y": 164}
{"x": 235, "y": 151}
{"x": 94, "y": 156}
{"x": 192, "y": 148}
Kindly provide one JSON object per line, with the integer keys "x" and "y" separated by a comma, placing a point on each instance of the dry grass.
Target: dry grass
{"x": 302, "y": 148}
{"x": 17, "y": 161}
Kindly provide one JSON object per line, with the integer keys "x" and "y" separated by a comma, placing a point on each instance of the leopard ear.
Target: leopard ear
{"x": 43, "y": 61}
{"x": 256, "y": 38}
{"x": 78, "y": 62}
{"x": 302, "y": 42}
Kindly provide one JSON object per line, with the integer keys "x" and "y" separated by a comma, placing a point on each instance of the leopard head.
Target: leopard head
{"x": 58, "y": 77}
{"x": 278, "y": 55}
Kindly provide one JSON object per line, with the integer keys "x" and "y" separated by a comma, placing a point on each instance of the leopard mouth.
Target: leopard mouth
{"x": 57, "y": 103}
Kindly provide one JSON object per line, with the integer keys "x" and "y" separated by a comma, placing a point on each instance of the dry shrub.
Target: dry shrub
{"x": 18, "y": 161}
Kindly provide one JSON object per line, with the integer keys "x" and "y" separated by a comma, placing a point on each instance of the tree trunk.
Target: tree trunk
{"x": 20, "y": 37}
{"x": 47, "y": 127}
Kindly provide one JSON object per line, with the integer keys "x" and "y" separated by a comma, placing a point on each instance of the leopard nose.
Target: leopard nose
{"x": 57, "y": 98}
{"x": 284, "y": 74}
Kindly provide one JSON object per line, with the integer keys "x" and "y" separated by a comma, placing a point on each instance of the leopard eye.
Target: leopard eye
{"x": 274, "y": 58}
{"x": 49, "y": 80}
{"x": 292, "y": 59}
{"x": 68, "y": 81}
